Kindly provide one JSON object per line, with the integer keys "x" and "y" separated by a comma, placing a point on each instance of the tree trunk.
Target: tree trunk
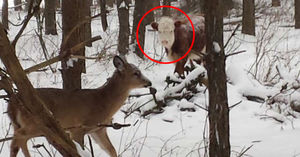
{"x": 248, "y": 21}
{"x": 103, "y": 15}
{"x": 218, "y": 111}
{"x": 58, "y": 4}
{"x": 276, "y": 3}
{"x": 297, "y": 14}
{"x": 166, "y": 11}
{"x": 5, "y": 14}
{"x": 71, "y": 16}
{"x": 50, "y": 17}
{"x": 87, "y": 13}
{"x": 18, "y": 5}
{"x": 141, "y": 7}
{"x": 124, "y": 31}
{"x": 228, "y": 4}
{"x": 32, "y": 103}
{"x": 110, "y": 3}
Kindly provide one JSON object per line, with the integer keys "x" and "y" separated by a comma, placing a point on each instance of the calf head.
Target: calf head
{"x": 166, "y": 27}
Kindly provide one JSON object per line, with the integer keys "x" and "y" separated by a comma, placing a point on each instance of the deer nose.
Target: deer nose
{"x": 149, "y": 84}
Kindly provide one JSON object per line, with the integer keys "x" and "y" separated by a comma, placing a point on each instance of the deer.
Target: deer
{"x": 80, "y": 111}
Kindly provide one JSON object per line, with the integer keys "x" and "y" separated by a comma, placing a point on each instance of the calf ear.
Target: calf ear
{"x": 154, "y": 25}
{"x": 119, "y": 63}
{"x": 177, "y": 23}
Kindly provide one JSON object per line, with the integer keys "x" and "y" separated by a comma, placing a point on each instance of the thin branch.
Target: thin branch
{"x": 91, "y": 146}
{"x": 61, "y": 56}
{"x": 232, "y": 34}
{"x": 234, "y": 53}
{"x": 85, "y": 20}
{"x": 6, "y": 139}
{"x": 232, "y": 106}
{"x": 26, "y": 20}
{"x": 43, "y": 146}
{"x": 242, "y": 153}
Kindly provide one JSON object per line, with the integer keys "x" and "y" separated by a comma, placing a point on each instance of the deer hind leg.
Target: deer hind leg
{"x": 100, "y": 136}
{"x": 18, "y": 143}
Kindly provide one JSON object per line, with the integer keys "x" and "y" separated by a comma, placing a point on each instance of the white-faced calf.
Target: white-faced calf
{"x": 81, "y": 111}
{"x": 176, "y": 36}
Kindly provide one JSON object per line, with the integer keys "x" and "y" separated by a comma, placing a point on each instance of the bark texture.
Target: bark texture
{"x": 248, "y": 21}
{"x": 5, "y": 14}
{"x": 297, "y": 14}
{"x": 72, "y": 13}
{"x": 218, "y": 111}
{"x": 124, "y": 31}
{"x": 50, "y": 17}
{"x": 103, "y": 16}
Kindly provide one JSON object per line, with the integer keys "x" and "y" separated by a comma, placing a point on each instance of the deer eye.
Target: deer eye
{"x": 137, "y": 73}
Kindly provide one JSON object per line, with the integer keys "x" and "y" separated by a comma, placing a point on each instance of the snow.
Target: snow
{"x": 183, "y": 133}
{"x": 217, "y": 48}
{"x": 123, "y": 5}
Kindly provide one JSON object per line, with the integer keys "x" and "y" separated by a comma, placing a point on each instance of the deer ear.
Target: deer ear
{"x": 119, "y": 63}
{"x": 154, "y": 25}
{"x": 177, "y": 23}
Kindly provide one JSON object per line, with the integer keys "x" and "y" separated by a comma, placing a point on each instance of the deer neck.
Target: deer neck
{"x": 114, "y": 92}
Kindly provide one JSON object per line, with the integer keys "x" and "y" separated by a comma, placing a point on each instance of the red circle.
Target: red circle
{"x": 138, "y": 27}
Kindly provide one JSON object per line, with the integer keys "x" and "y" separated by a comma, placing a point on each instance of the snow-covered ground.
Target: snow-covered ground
{"x": 187, "y": 134}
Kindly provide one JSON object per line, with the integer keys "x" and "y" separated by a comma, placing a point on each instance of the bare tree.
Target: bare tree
{"x": 18, "y": 5}
{"x": 103, "y": 15}
{"x": 276, "y": 3}
{"x": 248, "y": 21}
{"x": 58, "y": 4}
{"x": 86, "y": 10}
{"x": 50, "y": 17}
{"x": 5, "y": 14}
{"x": 30, "y": 101}
{"x": 71, "y": 17}
{"x": 297, "y": 14}
{"x": 140, "y": 8}
{"x": 218, "y": 111}
{"x": 124, "y": 31}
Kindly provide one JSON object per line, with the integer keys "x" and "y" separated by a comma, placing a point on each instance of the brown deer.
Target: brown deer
{"x": 80, "y": 111}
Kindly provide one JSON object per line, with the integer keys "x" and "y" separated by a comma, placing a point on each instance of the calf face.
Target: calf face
{"x": 165, "y": 27}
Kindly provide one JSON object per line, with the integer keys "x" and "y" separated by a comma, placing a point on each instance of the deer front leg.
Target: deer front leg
{"x": 78, "y": 136}
{"x": 100, "y": 136}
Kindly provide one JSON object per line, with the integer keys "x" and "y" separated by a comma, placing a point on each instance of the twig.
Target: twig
{"x": 232, "y": 34}
{"x": 232, "y": 106}
{"x": 139, "y": 95}
{"x": 235, "y": 53}
{"x": 44, "y": 48}
{"x": 43, "y": 146}
{"x": 242, "y": 153}
{"x": 6, "y": 139}
{"x": 116, "y": 126}
{"x": 205, "y": 109}
{"x": 5, "y": 136}
{"x": 91, "y": 146}
{"x": 61, "y": 56}
{"x": 85, "y": 20}
{"x": 26, "y": 20}
{"x": 264, "y": 116}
